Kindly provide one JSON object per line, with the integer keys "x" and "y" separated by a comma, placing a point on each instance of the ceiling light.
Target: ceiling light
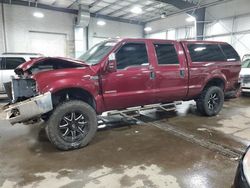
{"x": 191, "y": 19}
{"x": 101, "y": 23}
{"x": 38, "y": 14}
{"x": 136, "y": 10}
{"x": 147, "y": 29}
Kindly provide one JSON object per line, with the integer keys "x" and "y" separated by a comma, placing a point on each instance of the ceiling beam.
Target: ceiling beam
{"x": 107, "y": 7}
{"x": 191, "y": 9}
{"x": 144, "y": 8}
{"x": 71, "y": 11}
{"x": 180, "y": 4}
{"x": 123, "y": 8}
{"x": 94, "y": 3}
{"x": 72, "y": 4}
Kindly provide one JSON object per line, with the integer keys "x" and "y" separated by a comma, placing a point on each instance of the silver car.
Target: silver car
{"x": 9, "y": 61}
{"x": 245, "y": 76}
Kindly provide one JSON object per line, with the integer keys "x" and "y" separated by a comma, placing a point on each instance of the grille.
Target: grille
{"x": 21, "y": 89}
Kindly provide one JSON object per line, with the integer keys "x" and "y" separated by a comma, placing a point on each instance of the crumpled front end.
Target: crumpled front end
{"x": 29, "y": 109}
{"x": 20, "y": 89}
{"x": 26, "y": 103}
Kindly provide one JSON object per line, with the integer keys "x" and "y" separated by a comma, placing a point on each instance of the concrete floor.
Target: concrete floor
{"x": 169, "y": 150}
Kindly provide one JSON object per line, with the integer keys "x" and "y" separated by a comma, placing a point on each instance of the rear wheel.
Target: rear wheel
{"x": 72, "y": 125}
{"x": 210, "y": 101}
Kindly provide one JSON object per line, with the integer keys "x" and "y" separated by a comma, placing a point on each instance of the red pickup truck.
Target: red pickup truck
{"x": 117, "y": 74}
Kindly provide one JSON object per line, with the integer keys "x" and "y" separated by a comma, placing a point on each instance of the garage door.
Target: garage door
{"x": 49, "y": 44}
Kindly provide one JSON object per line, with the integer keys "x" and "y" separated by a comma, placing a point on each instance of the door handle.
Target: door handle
{"x": 182, "y": 73}
{"x": 152, "y": 72}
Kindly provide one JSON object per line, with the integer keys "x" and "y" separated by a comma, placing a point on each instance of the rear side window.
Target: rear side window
{"x": 132, "y": 54}
{"x": 205, "y": 52}
{"x": 13, "y": 62}
{"x": 166, "y": 54}
{"x": 1, "y": 63}
{"x": 230, "y": 53}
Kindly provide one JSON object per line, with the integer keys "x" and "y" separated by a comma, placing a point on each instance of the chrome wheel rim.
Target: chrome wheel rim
{"x": 213, "y": 101}
{"x": 73, "y": 126}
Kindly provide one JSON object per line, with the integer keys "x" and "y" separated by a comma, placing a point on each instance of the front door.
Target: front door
{"x": 171, "y": 81}
{"x": 131, "y": 84}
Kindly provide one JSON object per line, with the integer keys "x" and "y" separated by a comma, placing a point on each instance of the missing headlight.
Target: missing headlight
{"x": 23, "y": 89}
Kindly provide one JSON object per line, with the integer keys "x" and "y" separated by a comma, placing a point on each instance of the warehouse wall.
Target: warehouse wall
{"x": 112, "y": 29}
{"x": 230, "y": 25}
{"x": 1, "y": 32}
{"x": 97, "y": 33}
{"x": 174, "y": 27}
{"x": 20, "y": 23}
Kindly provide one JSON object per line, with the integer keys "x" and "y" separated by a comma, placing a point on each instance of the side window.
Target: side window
{"x": 132, "y": 54}
{"x": 1, "y": 63}
{"x": 166, "y": 54}
{"x": 230, "y": 53}
{"x": 205, "y": 52}
{"x": 13, "y": 62}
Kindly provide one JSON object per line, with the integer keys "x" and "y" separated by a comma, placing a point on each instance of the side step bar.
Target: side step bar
{"x": 135, "y": 111}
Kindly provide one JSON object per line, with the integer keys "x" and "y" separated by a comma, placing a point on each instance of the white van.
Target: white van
{"x": 9, "y": 61}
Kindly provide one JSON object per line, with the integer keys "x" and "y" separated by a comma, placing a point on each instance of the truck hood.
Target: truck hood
{"x": 55, "y": 62}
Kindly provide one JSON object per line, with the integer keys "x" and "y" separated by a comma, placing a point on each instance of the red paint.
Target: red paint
{"x": 133, "y": 86}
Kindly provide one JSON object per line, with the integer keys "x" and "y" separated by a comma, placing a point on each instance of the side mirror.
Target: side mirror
{"x": 111, "y": 65}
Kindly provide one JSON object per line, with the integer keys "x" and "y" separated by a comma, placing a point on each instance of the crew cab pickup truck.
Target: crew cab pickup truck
{"x": 117, "y": 74}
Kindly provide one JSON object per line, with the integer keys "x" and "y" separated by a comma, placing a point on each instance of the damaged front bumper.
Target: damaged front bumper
{"x": 29, "y": 109}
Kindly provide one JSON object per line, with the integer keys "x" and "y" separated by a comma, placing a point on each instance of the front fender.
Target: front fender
{"x": 89, "y": 86}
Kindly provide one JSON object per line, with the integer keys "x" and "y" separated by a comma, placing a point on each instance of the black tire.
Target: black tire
{"x": 72, "y": 125}
{"x": 210, "y": 101}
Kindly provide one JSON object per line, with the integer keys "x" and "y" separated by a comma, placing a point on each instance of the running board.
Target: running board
{"x": 134, "y": 112}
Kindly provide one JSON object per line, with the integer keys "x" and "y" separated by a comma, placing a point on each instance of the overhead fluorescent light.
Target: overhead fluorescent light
{"x": 101, "y": 23}
{"x": 136, "y": 10}
{"x": 38, "y": 14}
{"x": 147, "y": 29}
{"x": 191, "y": 19}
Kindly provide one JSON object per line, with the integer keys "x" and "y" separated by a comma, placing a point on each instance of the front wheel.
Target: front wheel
{"x": 210, "y": 101}
{"x": 72, "y": 125}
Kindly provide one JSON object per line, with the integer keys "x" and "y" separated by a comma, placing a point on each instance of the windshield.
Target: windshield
{"x": 97, "y": 52}
{"x": 246, "y": 64}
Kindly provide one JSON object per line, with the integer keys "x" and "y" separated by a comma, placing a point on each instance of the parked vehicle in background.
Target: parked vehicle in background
{"x": 118, "y": 74}
{"x": 242, "y": 177}
{"x": 245, "y": 76}
{"x": 10, "y": 61}
{"x": 245, "y": 57}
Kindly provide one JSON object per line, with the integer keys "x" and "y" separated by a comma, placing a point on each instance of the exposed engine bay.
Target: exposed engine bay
{"x": 24, "y": 87}
{"x": 47, "y": 64}
{"x": 20, "y": 89}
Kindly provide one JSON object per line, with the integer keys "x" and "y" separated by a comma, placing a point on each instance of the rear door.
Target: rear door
{"x": 1, "y": 74}
{"x": 171, "y": 71}
{"x": 9, "y": 64}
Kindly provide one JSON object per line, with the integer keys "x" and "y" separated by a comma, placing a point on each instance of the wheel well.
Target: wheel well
{"x": 216, "y": 82}
{"x": 73, "y": 94}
